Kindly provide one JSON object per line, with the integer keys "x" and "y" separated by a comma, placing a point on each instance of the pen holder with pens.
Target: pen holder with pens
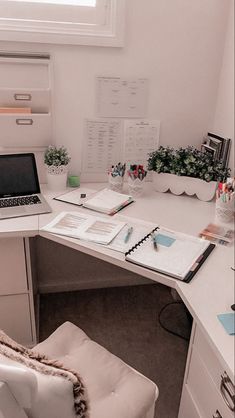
{"x": 225, "y": 199}
{"x": 224, "y": 210}
{"x": 135, "y": 187}
{"x": 116, "y": 177}
{"x": 136, "y": 180}
{"x": 116, "y": 182}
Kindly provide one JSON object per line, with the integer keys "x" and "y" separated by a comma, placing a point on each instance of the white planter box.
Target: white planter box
{"x": 181, "y": 184}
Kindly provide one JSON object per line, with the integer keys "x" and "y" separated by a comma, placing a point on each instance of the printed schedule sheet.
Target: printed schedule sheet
{"x": 102, "y": 147}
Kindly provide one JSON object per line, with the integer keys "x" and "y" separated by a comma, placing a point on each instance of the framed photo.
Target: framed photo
{"x": 209, "y": 150}
{"x": 220, "y": 145}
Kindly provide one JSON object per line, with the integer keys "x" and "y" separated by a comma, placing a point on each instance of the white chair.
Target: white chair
{"x": 113, "y": 389}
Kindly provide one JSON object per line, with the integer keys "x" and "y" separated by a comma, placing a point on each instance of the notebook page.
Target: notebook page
{"x": 77, "y": 196}
{"x": 139, "y": 230}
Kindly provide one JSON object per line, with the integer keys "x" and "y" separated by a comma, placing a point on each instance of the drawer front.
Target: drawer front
{"x": 38, "y": 100}
{"x": 13, "y": 269}
{"x": 208, "y": 357}
{"x": 26, "y": 130}
{"x": 204, "y": 391}
{"x": 15, "y": 318}
{"x": 188, "y": 408}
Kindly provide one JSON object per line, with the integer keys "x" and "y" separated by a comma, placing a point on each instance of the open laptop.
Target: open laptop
{"x": 20, "y": 193}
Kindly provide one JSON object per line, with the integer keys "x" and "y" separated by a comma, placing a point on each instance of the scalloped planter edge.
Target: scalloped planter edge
{"x": 162, "y": 182}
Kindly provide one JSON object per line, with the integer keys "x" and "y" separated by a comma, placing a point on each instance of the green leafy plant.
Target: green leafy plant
{"x": 187, "y": 162}
{"x": 56, "y": 156}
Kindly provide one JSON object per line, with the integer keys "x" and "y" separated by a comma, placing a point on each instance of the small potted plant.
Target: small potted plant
{"x": 56, "y": 161}
{"x": 186, "y": 170}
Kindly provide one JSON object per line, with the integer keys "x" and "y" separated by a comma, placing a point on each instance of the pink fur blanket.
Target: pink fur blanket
{"x": 29, "y": 358}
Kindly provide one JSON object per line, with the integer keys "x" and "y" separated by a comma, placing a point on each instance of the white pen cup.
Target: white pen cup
{"x": 116, "y": 182}
{"x": 224, "y": 211}
{"x": 136, "y": 186}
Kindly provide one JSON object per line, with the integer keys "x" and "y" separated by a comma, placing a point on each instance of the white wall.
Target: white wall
{"x": 223, "y": 122}
{"x": 178, "y": 45}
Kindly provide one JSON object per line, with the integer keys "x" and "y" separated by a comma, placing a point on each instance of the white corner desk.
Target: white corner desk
{"x": 207, "y": 388}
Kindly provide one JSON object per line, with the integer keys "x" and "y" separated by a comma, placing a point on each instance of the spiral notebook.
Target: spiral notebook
{"x": 172, "y": 253}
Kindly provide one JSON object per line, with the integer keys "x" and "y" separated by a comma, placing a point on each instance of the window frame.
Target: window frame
{"x": 111, "y": 33}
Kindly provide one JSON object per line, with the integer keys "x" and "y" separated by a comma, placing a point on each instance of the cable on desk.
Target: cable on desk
{"x": 168, "y": 329}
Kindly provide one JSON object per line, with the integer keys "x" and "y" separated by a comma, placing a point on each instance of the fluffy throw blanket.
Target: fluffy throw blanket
{"x": 28, "y": 357}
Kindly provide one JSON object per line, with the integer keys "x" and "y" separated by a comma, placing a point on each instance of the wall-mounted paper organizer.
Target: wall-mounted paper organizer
{"x": 25, "y": 100}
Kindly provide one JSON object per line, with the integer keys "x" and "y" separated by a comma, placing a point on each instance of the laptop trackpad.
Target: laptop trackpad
{"x": 14, "y": 210}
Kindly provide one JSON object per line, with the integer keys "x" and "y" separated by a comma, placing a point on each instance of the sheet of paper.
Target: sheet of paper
{"x": 121, "y": 97}
{"x": 140, "y": 138}
{"x": 102, "y": 146}
{"x": 228, "y": 321}
{"x": 85, "y": 227}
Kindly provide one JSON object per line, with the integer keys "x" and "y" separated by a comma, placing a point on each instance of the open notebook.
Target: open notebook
{"x": 86, "y": 227}
{"x": 108, "y": 201}
{"x": 172, "y": 253}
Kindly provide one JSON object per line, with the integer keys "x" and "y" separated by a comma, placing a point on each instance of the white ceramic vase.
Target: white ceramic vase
{"x": 57, "y": 177}
{"x": 178, "y": 185}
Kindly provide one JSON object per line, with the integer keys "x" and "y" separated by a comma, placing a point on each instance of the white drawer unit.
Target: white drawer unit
{"x": 208, "y": 391}
{"x": 16, "y": 291}
{"x": 25, "y": 89}
{"x": 15, "y": 318}
{"x": 13, "y": 268}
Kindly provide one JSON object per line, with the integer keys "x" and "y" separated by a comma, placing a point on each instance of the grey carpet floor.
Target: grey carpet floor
{"x": 125, "y": 321}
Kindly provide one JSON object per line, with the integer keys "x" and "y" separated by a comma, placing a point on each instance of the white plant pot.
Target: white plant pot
{"x": 57, "y": 177}
{"x": 181, "y": 184}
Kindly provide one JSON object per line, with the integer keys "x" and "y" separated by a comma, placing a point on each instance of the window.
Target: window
{"x": 84, "y": 22}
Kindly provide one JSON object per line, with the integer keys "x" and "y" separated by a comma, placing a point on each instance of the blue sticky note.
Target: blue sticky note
{"x": 164, "y": 240}
{"x": 228, "y": 322}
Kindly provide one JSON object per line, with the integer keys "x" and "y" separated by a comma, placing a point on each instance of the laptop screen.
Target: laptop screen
{"x": 18, "y": 175}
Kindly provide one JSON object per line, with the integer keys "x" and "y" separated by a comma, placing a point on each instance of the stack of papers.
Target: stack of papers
{"x": 85, "y": 227}
{"x": 108, "y": 201}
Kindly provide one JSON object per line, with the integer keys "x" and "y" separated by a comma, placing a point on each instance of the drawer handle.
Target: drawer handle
{"x": 227, "y": 391}
{"x": 23, "y": 96}
{"x": 24, "y": 121}
{"x": 217, "y": 415}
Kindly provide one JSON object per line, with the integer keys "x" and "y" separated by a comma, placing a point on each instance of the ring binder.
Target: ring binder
{"x": 179, "y": 255}
{"x": 141, "y": 241}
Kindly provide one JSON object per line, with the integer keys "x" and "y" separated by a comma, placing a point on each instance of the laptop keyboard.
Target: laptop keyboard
{"x": 19, "y": 201}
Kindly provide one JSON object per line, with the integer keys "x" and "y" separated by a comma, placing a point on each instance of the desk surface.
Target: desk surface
{"x": 210, "y": 292}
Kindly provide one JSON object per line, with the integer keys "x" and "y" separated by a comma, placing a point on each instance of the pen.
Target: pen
{"x": 128, "y": 234}
{"x": 154, "y": 241}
